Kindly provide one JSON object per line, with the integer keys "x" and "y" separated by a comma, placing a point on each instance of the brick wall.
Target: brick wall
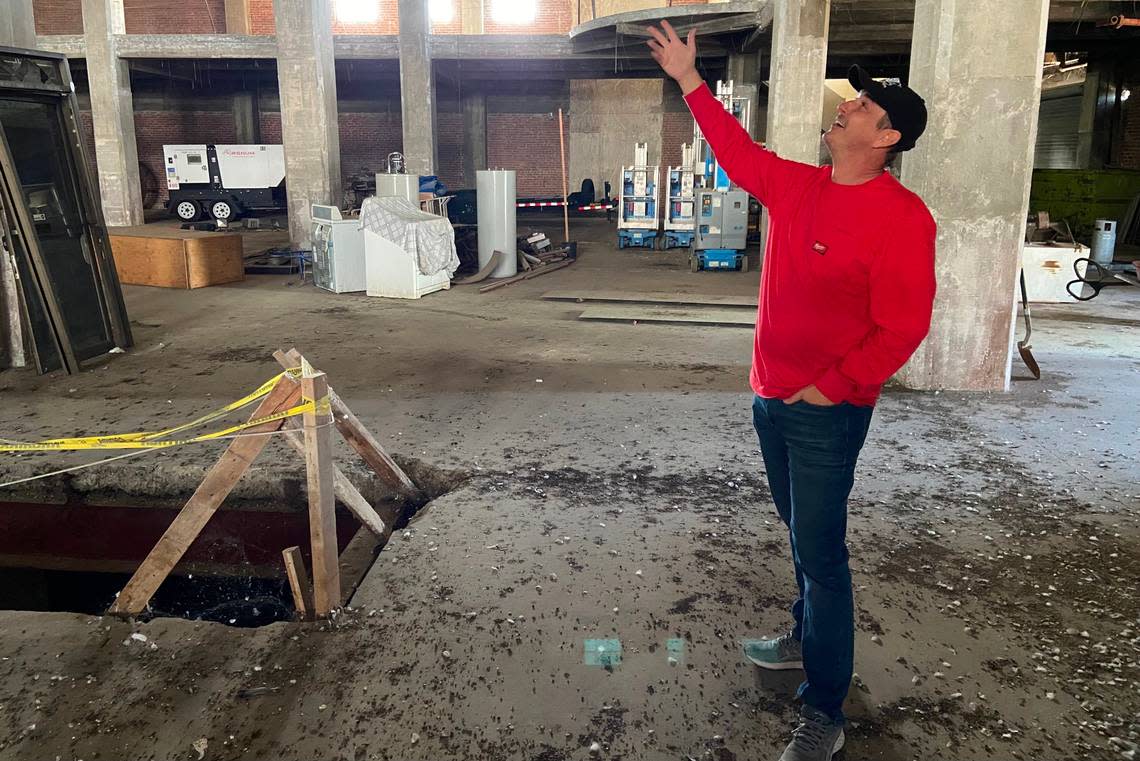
{"x": 455, "y": 26}
{"x": 261, "y": 17}
{"x": 366, "y": 139}
{"x": 142, "y": 16}
{"x": 270, "y": 123}
{"x": 449, "y": 133}
{"x": 551, "y": 17}
{"x": 676, "y": 128}
{"x": 387, "y": 19}
{"x": 527, "y": 143}
{"x": 58, "y": 16}
{"x": 154, "y": 129}
{"x": 175, "y": 16}
{"x": 209, "y": 17}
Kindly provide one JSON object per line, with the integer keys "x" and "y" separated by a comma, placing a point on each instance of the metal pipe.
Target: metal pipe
{"x": 1119, "y": 22}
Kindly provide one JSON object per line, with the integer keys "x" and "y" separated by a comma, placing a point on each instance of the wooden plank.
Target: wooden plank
{"x": 207, "y": 263}
{"x": 169, "y": 260}
{"x": 483, "y": 274}
{"x": 360, "y": 439}
{"x": 358, "y": 557}
{"x": 733, "y": 318}
{"x": 550, "y": 267}
{"x": 162, "y": 232}
{"x": 298, "y": 582}
{"x": 643, "y": 297}
{"x": 343, "y": 489}
{"x": 202, "y": 505}
{"x": 322, "y": 502}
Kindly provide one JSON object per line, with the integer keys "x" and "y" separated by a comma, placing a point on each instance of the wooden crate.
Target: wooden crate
{"x": 173, "y": 258}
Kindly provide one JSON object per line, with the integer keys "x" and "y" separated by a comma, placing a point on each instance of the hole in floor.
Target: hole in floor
{"x": 76, "y": 557}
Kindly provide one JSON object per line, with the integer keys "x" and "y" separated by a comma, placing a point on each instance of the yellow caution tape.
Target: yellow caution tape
{"x": 261, "y": 392}
{"x": 161, "y": 440}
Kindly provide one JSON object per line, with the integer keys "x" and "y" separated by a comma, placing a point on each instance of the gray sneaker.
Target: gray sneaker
{"x": 817, "y": 738}
{"x": 781, "y": 653}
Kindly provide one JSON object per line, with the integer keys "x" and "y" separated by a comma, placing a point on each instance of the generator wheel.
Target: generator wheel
{"x": 187, "y": 211}
{"x": 222, "y": 210}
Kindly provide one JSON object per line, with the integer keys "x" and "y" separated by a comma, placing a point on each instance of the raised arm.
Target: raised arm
{"x": 747, "y": 163}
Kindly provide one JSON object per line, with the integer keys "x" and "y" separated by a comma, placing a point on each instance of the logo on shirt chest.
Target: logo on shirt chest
{"x": 819, "y": 248}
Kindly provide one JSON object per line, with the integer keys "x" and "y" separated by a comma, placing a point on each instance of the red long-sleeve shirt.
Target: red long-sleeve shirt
{"x": 847, "y": 286}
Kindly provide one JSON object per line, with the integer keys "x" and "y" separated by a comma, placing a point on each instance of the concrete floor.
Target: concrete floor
{"x": 615, "y": 492}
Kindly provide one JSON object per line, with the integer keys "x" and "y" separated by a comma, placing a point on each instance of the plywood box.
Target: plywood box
{"x": 173, "y": 258}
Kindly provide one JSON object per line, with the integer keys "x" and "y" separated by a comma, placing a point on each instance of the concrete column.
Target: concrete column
{"x": 17, "y": 26}
{"x": 112, "y": 114}
{"x": 247, "y": 117}
{"x": 1089, "y": 101}
{"x": 795, "y": 87}
{"x": 471, "y": 16}
{"x": 417, "y": 88}
{"x": 974, "y": 63}
{"x": 306, "y": 80}
{"x": 743, "y": 69}
{"x": 795, "y": 83}
{"x": 607, "y": 117}
{"x": 474, "y": 136}
{"x": 237, "y": 17}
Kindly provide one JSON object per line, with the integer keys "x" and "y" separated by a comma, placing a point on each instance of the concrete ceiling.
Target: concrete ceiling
{"x": 874, "y": 33}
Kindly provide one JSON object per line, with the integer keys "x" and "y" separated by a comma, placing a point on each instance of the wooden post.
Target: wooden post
{"x": 357, "y": 560}
{"x": 343, "y": 489}
{"x": 565, "y": 179}
{"x": 198, "y": 510}
{"x": 359, "y": 438}
{"x": 322, "y": 502}
{"x": 298, "y": 582}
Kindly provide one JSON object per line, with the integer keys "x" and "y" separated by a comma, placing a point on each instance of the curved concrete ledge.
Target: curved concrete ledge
{"x": 694, "y": 12}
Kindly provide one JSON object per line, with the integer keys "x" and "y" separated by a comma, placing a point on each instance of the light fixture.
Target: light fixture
{"x": 514, "y": 11}
{"x": 441, "y": 11}
{"x": 1124, "y": 94}
{"x": 357, "y": 11}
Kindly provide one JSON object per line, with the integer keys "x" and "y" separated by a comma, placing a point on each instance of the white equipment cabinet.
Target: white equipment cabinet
{"x": 338, "y": 251}
{"x": 401, "y": 243}
{"x": 1048, "y": 269}
{"x": 393, "y": 272}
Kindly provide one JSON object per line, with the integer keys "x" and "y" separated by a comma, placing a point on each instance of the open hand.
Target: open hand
{"x": 676, "y": 56}
{"x": 811, "y": 395}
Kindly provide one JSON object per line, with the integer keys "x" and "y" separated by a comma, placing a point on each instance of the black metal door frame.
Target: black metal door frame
{"x": 93, "y": 227}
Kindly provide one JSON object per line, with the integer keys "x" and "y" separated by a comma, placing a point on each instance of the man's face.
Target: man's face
{"x": 857, "y": 126}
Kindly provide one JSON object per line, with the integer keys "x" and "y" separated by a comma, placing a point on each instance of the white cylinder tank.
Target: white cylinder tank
{"x": 495, "y": 197}
{"x": 399, "y": 186}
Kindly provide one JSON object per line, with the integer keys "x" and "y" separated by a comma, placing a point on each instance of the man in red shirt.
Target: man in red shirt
{"x": 846, "y": 296}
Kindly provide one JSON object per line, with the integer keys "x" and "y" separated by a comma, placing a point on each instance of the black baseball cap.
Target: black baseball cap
{"x": 905, "y": 108}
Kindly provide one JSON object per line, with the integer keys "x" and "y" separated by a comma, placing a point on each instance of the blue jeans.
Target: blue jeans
{"x": 810, "y": 454}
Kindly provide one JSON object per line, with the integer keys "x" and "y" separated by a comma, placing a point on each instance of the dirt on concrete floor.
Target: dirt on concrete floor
{"x": 615, "y": 498}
